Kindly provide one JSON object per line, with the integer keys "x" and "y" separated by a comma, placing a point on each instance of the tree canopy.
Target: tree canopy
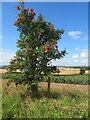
{"x": 37, "y": 46}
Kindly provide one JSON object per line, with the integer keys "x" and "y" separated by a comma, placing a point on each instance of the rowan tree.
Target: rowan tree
{"x": 37, "y": 46}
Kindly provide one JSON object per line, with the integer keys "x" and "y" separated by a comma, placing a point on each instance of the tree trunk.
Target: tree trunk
{"x": 34, "y": 89}
{"x": 49, "y": 84}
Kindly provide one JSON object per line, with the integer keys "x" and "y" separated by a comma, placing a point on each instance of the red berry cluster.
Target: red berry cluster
{"x": 47, "y": 48}
{"x": 54, "y": 45}
{"x": 25, "y": 12}
{"x": 18, "y": 7}
{"x": 32, "y": 12}
{"x": 20, "y": 20}
{"x": 13, "y": 61}
{"x": 44, "y": 52}
{"x": 51, "y": 28}
{"x": 15, "y": 23}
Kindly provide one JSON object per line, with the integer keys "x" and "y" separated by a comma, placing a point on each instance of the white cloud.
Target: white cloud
{"x": 66, "y": 62}
{"x": 5, "y": 56}
{"x": 84, "y": 54}
{"x": 74, "y": 60}
{"x": 75, "y": 56}
{"x": 70, "y": 62}
{"x": 59, "y": 62}
{"x": 75, "y": 34}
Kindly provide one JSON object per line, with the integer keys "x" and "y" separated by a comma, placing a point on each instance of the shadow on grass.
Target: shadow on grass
{"x": 41, "y": 94}
{"x": 52, "y": 94}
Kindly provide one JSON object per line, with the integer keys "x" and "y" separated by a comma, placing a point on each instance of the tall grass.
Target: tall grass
{"x": 19, "y": 103}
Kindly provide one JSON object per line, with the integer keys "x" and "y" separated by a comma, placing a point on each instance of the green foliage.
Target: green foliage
{"x": 37, "y": 46}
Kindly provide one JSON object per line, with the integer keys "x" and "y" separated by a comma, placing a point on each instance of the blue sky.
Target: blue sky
{"x": 71, "y": 16}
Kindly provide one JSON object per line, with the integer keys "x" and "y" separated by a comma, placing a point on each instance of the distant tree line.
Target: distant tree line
{"x": 3, "y": 67}
{"x": 81, "y": 67}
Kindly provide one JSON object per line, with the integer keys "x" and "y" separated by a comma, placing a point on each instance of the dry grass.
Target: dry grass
{"x": 63, "y": 71}
{"x": 60, "y": 87}
{"x": 3, "y": 70}
{"x": 66, "y": 87}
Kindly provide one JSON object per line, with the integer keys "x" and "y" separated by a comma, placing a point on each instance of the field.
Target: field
{"x": 70, "y": 79}
{"x": 63, "y": 101}
{"x": 3, "y": 70}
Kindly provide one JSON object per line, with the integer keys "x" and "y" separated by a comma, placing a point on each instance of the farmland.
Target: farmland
{"x": 63, "y": 101}
{"x": 68, "y": 79}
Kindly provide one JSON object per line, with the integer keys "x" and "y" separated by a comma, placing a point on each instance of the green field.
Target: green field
{"x": 68, "y": 79}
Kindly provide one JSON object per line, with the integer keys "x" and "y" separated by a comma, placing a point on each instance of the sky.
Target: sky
{"x": 46, "y": 0}
{"x": 71, "y": 16}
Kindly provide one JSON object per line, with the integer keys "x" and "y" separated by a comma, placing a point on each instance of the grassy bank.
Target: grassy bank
{"x": 19, "y": 103}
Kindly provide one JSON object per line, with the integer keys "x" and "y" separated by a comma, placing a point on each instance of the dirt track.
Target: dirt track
{"x": 61, "y": 86}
